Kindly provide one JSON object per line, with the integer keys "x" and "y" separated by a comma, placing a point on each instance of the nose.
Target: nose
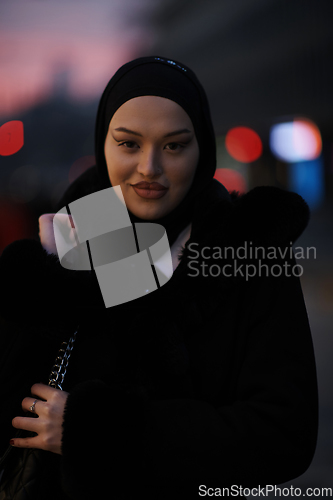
{"x": 150, "y": 163}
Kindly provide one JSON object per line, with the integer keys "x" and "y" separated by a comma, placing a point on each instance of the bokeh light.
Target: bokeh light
{"x": 231, "y": 180}
{"x": 294, "y": 141}
{"x": 307, "y": 179}
{"x": 243, "y": 144}
{"x": 11, "y": 137}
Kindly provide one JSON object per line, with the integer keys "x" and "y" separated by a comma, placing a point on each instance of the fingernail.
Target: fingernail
{"x": 11, "y": 442}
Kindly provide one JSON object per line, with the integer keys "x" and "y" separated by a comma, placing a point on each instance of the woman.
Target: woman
{"x": 209, "y": 381}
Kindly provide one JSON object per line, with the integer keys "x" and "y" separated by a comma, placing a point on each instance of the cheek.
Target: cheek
{"x": 119, "y": 166}
{"x": 185, "y": 171}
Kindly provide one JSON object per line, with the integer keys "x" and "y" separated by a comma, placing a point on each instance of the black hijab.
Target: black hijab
{"x": 167, "y": 78}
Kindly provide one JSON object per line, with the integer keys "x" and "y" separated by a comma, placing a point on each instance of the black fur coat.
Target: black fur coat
{"x": 209, "y": 381}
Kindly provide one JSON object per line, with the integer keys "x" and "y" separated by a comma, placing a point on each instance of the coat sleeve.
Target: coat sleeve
{"x": 265, "y": 435}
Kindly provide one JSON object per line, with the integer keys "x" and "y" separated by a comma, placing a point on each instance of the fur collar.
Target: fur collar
{"x": 266, "y": 215}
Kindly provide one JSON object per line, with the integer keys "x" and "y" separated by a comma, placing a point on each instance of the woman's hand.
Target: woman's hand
{"x": 46, "y": 230}
{"x": 46, "y": 233}
{"x": 48, "y": 425}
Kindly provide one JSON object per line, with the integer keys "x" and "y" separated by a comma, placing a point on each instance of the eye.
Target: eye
{"x": 128, "y": 144}
{"x": 174, "y": 146}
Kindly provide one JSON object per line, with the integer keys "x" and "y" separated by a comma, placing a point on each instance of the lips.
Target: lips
{"x": 154, "y": 186}
{"x": 152, "y": 190}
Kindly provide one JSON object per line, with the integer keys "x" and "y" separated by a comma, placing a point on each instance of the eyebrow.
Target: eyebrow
{"x": 170, "y": 134}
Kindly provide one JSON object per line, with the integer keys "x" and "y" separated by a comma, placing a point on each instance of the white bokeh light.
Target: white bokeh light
{"x": 299, "y": 140}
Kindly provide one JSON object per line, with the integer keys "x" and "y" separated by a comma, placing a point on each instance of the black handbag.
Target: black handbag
{"x": 21, "y": 468}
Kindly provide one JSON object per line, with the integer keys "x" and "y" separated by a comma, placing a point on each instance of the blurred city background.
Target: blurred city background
{"x": 267, "y": 67}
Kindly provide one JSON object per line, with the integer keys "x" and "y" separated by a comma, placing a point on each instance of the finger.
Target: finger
{"x": 46, "y": 217}
{"x": 27, "y": 403}
{"x": 43, "y": 391}
{"x": 65, "y": 220}
{"x": 65, "y": 227}
{"x": 31, "y": 442}
{"x": 26, "y": 423}
{"x": 45, "y": 221}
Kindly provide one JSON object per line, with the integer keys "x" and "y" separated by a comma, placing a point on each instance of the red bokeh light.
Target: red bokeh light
{"x": 11, "y": 137}
{"x": 243, "y": 144}
{"x": 231, "y": 180}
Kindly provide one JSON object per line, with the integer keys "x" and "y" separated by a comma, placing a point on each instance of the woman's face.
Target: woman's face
{"x": 151, "y": 139}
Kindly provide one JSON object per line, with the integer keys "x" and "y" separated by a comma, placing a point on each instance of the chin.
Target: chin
{"x": 150, "y": 215}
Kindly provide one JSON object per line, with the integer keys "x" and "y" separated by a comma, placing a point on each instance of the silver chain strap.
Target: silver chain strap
{"x": 59, "y": 368}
